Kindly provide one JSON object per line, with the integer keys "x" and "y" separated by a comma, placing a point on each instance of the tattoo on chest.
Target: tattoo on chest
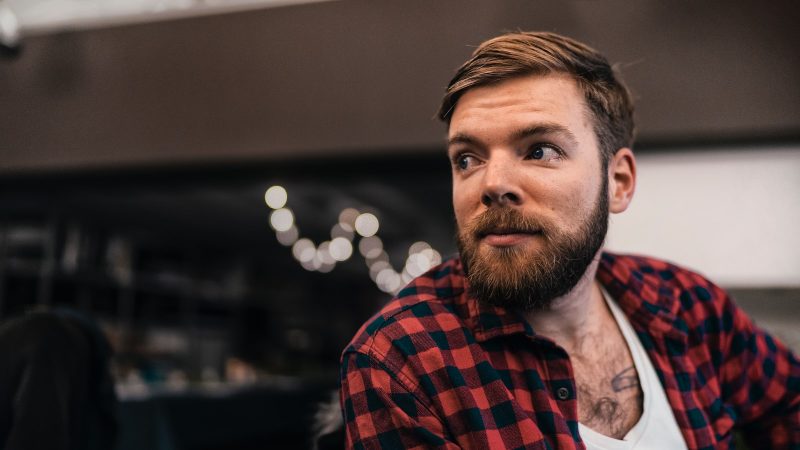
{"x": 626, "y": 379}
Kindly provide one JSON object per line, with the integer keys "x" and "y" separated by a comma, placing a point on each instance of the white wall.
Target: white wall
{"x": 731, "y": 214}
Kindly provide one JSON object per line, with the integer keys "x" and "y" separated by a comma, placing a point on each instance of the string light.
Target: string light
{"x": 341, "y": 249}
{"x": 281, "y": 219}
{"x": 367, "y": 224}
{"x": 288, "y": 237}
{"x": 304, "y": 250}
{"x": 347, "y": 218}
{"x": 276, "y": 197}
{"x": 323, "y": 257}
{"x": 370, "y": 247}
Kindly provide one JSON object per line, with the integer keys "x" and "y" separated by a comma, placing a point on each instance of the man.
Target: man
{"x": 535, "y": 338}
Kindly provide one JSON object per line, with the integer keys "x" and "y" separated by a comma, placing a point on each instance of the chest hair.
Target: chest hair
{"x": 609, "y": 394}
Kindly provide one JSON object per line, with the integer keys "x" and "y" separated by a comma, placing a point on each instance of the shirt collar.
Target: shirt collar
{"x": 648, "y": 302}
{"x": 486, "y": 321}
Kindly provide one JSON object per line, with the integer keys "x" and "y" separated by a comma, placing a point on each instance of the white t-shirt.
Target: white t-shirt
{"x": 656, "y": 428}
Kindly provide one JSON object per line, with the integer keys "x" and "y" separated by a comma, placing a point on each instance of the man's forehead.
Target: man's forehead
{"x": 548, "y": 101}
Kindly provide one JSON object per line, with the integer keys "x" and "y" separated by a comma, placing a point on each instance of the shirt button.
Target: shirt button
{"x": 562, "y": 393}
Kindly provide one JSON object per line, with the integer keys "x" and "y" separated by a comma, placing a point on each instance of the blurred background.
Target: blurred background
{"x": 232, "y": 187}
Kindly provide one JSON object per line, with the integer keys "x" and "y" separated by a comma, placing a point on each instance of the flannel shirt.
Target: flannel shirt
{"x": 438, "y": 369}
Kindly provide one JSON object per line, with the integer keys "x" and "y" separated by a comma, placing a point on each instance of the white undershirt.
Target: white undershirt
{"x": 656, "y": 428}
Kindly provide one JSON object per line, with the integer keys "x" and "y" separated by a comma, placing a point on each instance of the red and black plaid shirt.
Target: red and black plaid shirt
{"x": 438, "y": 369}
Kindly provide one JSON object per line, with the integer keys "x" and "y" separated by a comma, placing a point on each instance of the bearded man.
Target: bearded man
{"x": 535, "y": 337}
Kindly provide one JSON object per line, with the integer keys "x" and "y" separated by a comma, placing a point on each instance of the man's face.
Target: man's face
{"x": 529, "y": 191}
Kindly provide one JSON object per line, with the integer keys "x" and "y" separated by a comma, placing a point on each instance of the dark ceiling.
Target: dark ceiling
{"x": 360, "y": 77}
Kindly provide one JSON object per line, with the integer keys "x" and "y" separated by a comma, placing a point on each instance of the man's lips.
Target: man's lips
{"x": 507, "y": 238}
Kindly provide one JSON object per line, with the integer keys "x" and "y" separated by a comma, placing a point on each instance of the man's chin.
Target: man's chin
{"x": 524, "y": 277}
{"x": 509, "y": 295}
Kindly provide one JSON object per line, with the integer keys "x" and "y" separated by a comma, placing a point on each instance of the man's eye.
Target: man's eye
{"x": 543, "y": 151}
{"x": 463, "y": 162}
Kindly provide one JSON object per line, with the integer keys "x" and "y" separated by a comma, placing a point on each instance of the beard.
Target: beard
{"x": 524, "y": 279}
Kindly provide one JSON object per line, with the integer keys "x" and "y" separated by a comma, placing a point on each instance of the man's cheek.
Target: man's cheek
{"x": 461, "y": 215}
{"x": 568, "y": 211}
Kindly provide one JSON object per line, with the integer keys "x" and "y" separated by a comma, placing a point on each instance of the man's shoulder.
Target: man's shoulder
{"x": 683, "y": 291}
{"x": 655, "y": 272}
{"x": 429, "y": 306}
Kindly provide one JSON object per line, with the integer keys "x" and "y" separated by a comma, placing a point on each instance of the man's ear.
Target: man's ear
{"x": 621, "y": 180}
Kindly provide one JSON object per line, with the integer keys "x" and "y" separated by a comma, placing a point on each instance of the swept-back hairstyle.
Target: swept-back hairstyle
{"x": 540, "y": 53}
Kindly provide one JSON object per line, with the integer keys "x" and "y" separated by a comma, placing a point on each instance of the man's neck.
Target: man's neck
{"x": 582, "y": 324}
{"x": 572, "y": 318}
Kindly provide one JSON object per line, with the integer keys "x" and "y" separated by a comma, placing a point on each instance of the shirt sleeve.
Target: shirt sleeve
{"x": 381, "y": 412}
{"x": 761, "y": 378}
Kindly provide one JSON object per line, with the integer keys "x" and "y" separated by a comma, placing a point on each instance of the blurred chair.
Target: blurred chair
{"x": 56, "y": 390}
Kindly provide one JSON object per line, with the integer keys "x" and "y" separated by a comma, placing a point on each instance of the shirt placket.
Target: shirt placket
{"x": 562, "y": 388}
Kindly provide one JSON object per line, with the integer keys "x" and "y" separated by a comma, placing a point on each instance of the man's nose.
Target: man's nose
{"x": 500, "y": 184}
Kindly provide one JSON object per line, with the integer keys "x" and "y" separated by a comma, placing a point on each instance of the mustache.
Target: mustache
{"x": 504, "y": 221}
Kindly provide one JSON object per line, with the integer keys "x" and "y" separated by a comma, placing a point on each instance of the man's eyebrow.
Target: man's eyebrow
{"x": 533, "y": 130}
{"x": 462, "y": 138}
{"x": 545, "y": 128}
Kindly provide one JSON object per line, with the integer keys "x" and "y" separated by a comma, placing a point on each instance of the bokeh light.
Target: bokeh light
{"x": 347, "y": 218}
{"x": 304, "y": 250}
{"x": 367, "y": 224}
{"x": 281, "y": 219}
{"x": 433, "y": 256}
{"x": 370, "y": 247}
{"x": 418, "y": 247}
{"x": 324, "y": 253}
{"x": 341, "y": 249}
{"x": 388, "y": 280}
{"x": 312, "y": 264}
{"x": 376, "y": 267}
{"x": 288, "y": 237}
{"x": 276, "y": 197}
{"x": 417, "y": 264}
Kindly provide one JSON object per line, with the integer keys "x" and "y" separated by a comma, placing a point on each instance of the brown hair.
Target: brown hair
{"x": 539, "y": 53}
